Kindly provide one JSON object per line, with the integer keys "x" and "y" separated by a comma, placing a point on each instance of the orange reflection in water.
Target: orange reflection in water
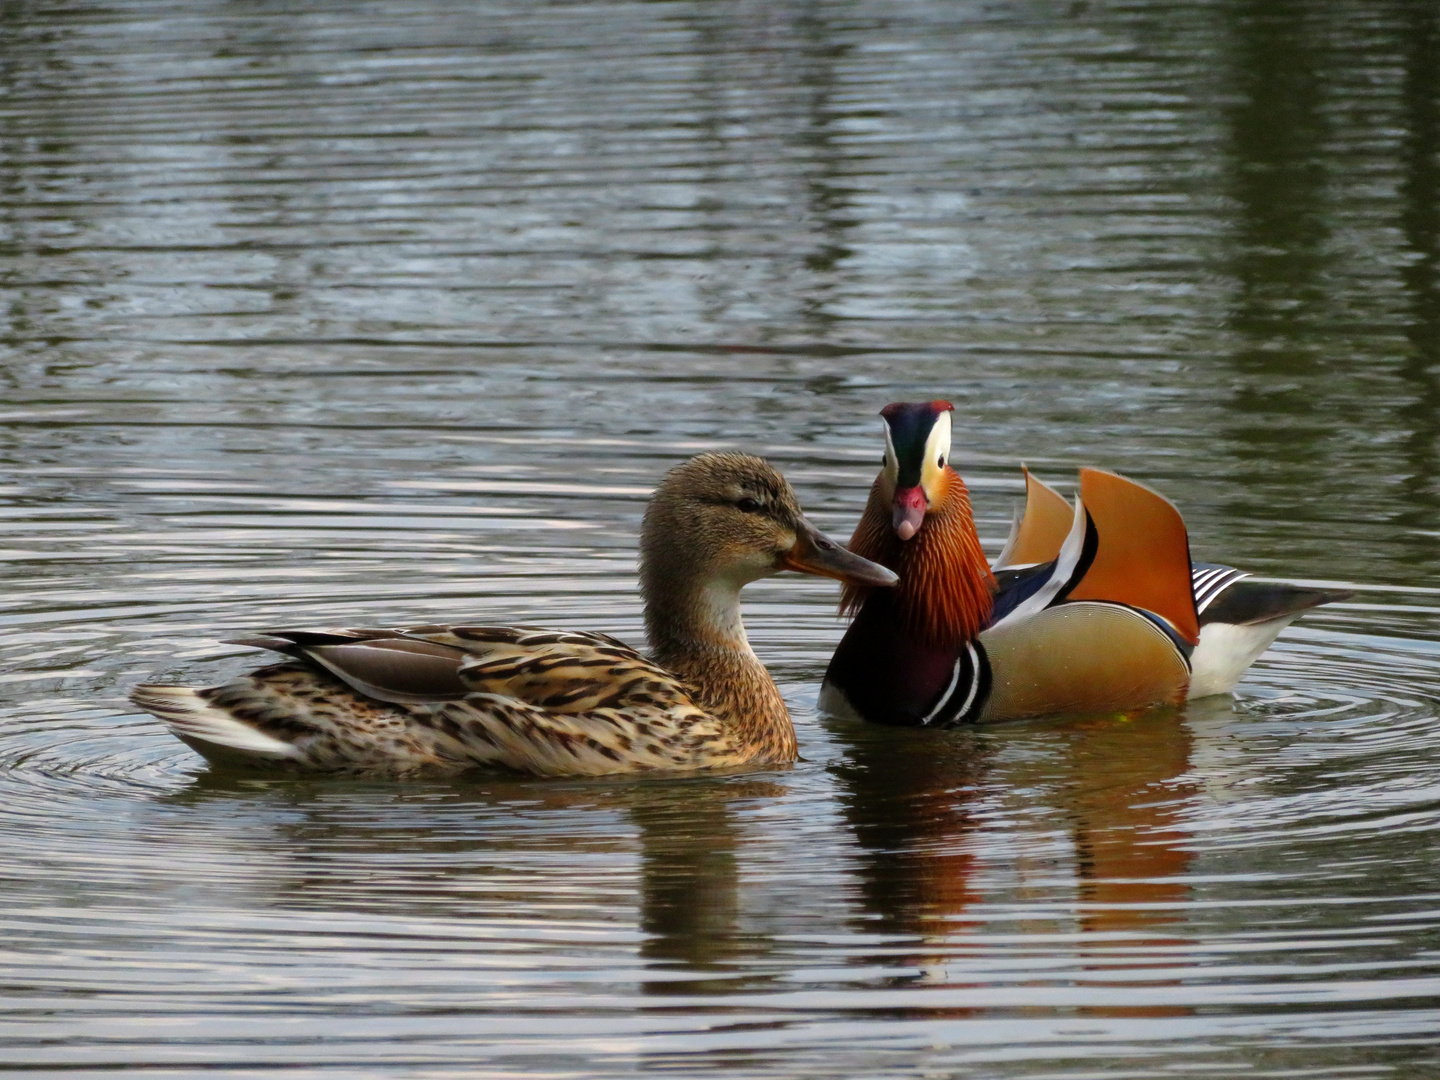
{"x": 1118, "y": 787}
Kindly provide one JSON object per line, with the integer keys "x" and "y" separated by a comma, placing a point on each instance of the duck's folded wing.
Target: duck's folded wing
{"x": 387, "y": 665}
{"x": 1127, "y": 545}
{"x": 562, "y": 671}
{"x": 565, "y": 672}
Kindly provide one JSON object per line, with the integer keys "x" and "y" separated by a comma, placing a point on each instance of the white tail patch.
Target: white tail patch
{"x": 1226, "y": 651}
{"x": 202, "y": 726}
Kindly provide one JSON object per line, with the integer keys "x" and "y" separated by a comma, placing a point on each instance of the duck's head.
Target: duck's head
{"x": 728, "y": 519}
{"x": 917, "y": 453}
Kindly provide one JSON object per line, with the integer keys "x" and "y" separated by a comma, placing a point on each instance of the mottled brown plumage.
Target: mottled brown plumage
{"x": 548, "y": 702}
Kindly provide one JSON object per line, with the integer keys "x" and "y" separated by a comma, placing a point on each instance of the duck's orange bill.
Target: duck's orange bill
{"x": 816, "y": 553}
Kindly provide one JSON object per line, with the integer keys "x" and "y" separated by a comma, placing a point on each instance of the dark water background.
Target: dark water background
{"x": 385, "y": 312}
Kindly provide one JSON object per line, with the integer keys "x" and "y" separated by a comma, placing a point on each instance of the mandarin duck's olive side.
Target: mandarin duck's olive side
{"x": 548, "y": 702}
{"x": 1089, "y": 608}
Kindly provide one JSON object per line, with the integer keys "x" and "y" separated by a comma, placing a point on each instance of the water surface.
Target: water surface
{"x": 390, "y": 313}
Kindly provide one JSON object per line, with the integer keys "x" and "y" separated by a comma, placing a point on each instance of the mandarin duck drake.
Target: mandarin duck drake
{"x": 1091, "y": 608}
{"x": 546, "y": 702}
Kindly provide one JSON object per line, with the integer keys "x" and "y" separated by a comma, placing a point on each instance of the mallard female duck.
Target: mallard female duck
{"x": 547, "y": 702}
{"x": 1089, "y": 608}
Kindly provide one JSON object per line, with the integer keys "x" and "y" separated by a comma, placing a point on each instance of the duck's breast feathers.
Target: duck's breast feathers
{"x": 889, "y": 675}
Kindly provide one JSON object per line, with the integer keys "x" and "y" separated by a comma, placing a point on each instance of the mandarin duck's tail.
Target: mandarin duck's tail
{"x": 1239, "y": 619}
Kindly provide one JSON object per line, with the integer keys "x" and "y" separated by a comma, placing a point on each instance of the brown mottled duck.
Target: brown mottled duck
{"x": 546, "y": 702}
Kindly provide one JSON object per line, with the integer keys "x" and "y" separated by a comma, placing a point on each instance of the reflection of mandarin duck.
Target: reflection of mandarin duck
{"x": 911, "y": 801}
{"x": 447, "y": 698}
{"x": 1125, "y": 785}
{"x": 1091, "y": 608}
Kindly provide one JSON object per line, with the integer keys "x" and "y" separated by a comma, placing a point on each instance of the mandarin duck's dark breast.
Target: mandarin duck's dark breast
{"x": 887, "y": 675}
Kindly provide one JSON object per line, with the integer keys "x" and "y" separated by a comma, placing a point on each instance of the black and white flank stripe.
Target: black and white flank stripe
{"x": 1209, "y": 581}
{"x": 961, "y": 700}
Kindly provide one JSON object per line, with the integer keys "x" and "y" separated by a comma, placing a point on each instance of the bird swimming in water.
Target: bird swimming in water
{"x": 443, "y": 699}
{"x": 1090, "y": 608}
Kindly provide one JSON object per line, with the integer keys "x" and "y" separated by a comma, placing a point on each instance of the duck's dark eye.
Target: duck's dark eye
{"x": 748, "y": 505}
{"x": 941, "y": 462}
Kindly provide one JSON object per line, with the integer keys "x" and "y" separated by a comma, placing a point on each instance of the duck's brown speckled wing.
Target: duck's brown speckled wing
{"x": 438, "y": 697}
{"x": 563, "y": 671}
{"x": 566, "y": 702}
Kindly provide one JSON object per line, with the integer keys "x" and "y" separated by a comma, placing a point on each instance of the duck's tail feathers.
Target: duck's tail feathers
{"x": 1250, "y": 602}
{"x": 212, "y": 732}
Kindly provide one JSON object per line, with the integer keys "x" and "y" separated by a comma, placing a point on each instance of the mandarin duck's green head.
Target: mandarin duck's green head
{"x": 917, "y": 450}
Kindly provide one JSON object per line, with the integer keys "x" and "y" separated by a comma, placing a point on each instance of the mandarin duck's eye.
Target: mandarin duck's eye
{"x": 748, "y": 505}
{"x": 941, "y": 462}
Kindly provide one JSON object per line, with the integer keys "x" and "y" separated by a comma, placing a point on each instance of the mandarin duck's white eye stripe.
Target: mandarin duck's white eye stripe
{"x": 937, "y": 454}
{"x": 937, "y": 443}
{"x": 892, "y": 459}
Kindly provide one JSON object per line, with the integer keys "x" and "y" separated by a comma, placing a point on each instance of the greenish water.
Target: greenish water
{"x": 385, "y": 313}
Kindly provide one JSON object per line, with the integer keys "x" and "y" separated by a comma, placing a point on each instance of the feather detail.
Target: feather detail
{"x": 546, "y": 702}
{"x": 946, "y": 589}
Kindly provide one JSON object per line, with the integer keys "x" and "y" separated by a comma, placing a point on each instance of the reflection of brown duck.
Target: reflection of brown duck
{"x": 687, "y": 889}
{"x": 689, "y": 884}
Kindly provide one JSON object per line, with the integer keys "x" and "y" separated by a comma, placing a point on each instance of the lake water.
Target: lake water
{"x": 395, "y": 312}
